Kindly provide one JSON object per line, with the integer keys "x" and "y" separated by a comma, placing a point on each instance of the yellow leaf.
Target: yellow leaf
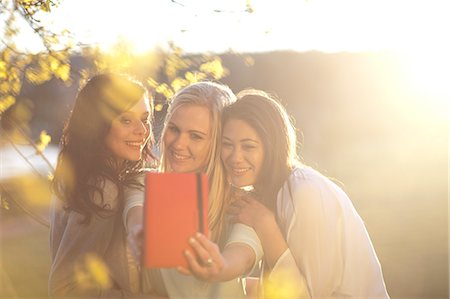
{"x": 165, "y": 90}
{"x": 3, "y": 66}
{"x": 6, "y": 102}
{"x": 168, "y": 93}
{"x": 63, "y": 72}
{"x": 178, "y": 83}
{"x": 16, "y": 85}
{"x": 214, "y": 68}
{"x": 44, "y": 140}
{"x": 190, "y": 77}
{"x": 152, "y": 82}
{"x": 54, "y": 63}
{"x": 281, "y": 285}
{"x": 99, "y": 271}
{"x": 159, "y": 107}
{"x": 38, "y": 76}
{"x": 200, "y": 76}
{"x": 45, "y": 6}
{"x": 7, "y": 53}
{"x": 4, "y": 87}
{"x": 92, "y": 272}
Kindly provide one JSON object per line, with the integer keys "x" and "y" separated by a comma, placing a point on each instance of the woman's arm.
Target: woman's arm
{"x": 133, "y": 217}
{"x": 284, "y": 277}
{"x": 251, "y": 212}
{"x": 135, "y": 232}
{"x": 209, "y": 264}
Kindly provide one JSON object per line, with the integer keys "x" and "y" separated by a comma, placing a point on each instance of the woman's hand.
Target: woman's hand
{"x": 250, "y": 211}
{"x": 206, "y": 262}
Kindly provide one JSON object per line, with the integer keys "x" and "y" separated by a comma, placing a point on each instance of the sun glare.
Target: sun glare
{"x": 429, "y": 71}
{"x": 200, "y": 26}
{"x": 413, "y": 29}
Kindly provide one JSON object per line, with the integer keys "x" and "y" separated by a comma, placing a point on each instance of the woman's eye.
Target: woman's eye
{"x": 248, "y": 147}
{"x": 173, "y": 129}
{"x": 226, "y": 144}
{"x": 145, "y": 121}
{"x": 196, "y": 137}
{"x": 125, "y": 120}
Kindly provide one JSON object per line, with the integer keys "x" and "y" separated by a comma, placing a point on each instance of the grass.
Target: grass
{"x": 24, "y": 261}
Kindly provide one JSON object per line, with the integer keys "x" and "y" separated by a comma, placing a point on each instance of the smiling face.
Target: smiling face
{"x": 130, "y": 132}
{"x": 242, "y": 152}
{"x": 187, "y": 139}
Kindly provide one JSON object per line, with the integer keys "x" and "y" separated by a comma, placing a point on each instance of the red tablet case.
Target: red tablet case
{"x": 175, "y": 208}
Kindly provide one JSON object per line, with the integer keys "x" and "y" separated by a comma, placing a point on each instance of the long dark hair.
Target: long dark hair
{"x": 273, "y": 125}
{"x": 83, "y": 161}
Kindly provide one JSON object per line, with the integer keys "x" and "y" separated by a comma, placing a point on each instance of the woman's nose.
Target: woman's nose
{"x": 179, "y": 142}
{"x": 141, "y": 128}
{"x": 236, "y": 155}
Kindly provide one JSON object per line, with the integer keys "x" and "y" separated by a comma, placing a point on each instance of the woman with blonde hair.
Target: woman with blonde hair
{"x": 191, "y": 143}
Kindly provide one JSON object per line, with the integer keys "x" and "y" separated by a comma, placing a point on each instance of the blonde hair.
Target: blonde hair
{"x": 215, "y": 97}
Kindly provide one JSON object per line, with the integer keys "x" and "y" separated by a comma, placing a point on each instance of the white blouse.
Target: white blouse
{"x": 329, "y": 253}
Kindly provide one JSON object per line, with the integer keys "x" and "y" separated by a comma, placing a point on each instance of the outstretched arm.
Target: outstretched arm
{"x": 209, "y": 264}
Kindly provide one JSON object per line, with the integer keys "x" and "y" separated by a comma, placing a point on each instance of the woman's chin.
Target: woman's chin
{"x": 241, "y": 183}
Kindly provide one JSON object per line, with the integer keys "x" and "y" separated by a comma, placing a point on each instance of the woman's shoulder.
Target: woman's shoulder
{"x": 308, "y": 186}
{"x": 306, "y": 176}
{"x": 137, "y": 180}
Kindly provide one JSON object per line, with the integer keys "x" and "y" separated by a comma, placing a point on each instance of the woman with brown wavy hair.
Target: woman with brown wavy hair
{"x": 105, "y": 143}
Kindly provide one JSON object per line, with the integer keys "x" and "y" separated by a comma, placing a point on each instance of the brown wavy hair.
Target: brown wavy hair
{"x": 84, "y": 162}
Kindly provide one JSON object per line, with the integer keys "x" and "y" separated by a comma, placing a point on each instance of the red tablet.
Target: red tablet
{"x": 175, "y": 208}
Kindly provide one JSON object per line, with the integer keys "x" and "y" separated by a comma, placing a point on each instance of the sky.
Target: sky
{"x": 301, "y": 25}
{"x": 416, "y": 30}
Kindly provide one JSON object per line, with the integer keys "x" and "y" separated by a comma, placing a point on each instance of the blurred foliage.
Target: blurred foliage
{"x": 92, "y": 273}
{"x": 15, "y": 64}
{"x": 282, "y": 284}
{"x": 44, "y": 140}
{"x": 166, "y": 71}
{"x": 180, "y": 71}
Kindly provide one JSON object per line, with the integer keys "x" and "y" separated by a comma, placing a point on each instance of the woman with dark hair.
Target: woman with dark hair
{"x": 315, "y": 243}
{"x": 105, "y": 143}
